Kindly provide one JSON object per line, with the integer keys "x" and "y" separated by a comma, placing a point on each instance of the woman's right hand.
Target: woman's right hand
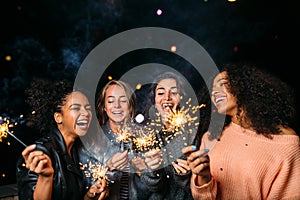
{"x": 153, "y": 158}
{"x": 37, "y": 161}
{"x": 118, "y": 161}
{"x": 198, "y": 162}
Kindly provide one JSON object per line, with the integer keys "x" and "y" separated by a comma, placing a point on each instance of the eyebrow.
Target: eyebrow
{"x": 222, "y": 79}
{"x": 162, "y": 88}
{"x": 115, "y": 96}
{"x": 75, "y": 104}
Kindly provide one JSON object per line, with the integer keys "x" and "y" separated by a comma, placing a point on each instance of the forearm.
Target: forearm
{"x": 43, "y": 189}
{"x": 205, "y": 191}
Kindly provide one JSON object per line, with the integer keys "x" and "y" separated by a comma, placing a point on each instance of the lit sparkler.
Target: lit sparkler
{"x": 4, "y": 130}
{"x": 179, "y": 121}
{"x": 144, "y": 142}
{"x": 180, "y": 118}
{"x": 124, "y": 135}
{"x": 95, "y": 171}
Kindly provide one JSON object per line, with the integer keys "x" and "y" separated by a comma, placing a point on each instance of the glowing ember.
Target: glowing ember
{"x": 179, "y": 121}
{"x": 4, "y": 129}
{"x": 144, "y": 142}
{"x": 124, "y": 134}
{"x": 95, "y": 171}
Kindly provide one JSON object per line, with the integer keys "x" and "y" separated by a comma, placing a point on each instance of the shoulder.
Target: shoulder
{"x": 53, "y": 141}
{"x": 287, "y": 131}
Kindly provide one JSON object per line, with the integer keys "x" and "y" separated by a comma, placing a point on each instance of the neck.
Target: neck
{"x": 68, "y": 138}
{"x": 115, "y": 127}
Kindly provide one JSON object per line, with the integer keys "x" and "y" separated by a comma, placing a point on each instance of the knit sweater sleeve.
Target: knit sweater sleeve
{"x": 207, "y": 191}
{"x": 286, "y": 184}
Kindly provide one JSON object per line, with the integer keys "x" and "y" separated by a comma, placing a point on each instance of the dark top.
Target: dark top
{"x": 165, "y": 183}
{"x": 68, "y": 179}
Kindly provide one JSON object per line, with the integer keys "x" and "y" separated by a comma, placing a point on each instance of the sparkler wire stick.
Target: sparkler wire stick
{"x": 7, "y": 131}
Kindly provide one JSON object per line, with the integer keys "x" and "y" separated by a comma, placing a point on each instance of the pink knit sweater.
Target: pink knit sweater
{"x": 245, "y": 165}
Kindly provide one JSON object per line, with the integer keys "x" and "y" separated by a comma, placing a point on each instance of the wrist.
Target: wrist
{"x": 201, "y": 180}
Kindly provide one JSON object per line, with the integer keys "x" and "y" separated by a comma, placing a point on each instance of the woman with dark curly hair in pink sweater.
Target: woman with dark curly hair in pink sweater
{"x": 257, "y": 155}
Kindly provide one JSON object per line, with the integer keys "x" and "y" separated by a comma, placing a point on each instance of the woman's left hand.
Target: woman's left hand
{"x": 138, "y": 164}
{"x": 181, "y": 166}
{"x": 98, "y": 190}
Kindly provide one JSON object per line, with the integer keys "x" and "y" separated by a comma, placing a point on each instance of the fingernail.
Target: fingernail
{"x": 194, "y": 147}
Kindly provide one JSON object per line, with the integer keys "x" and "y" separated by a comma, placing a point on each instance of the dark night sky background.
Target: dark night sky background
{"x": 50, "y": 38}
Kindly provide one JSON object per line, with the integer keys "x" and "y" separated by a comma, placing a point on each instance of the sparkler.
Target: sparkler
{"x": 144, "y": 142}
{"x": 180, "y": 121}
{"x": 4, "y": 130}
{"x": 95, "y": 171}
{"x": 124, "y": 135}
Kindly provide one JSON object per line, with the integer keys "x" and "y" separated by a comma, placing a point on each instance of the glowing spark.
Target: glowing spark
{"x": 138, "y": 86}
{"x": 173, "y": 48}
{"x": 139, "y": 118}
{"x": 179, "y": 121}
{"x": 159, "y": 12}
{"x": 124, "y": 134}
{"x": 95, "y": 171}
{"x": 180, "y": 118}
{"x": 144, "y": 142}
{"x": 4, "y": 129}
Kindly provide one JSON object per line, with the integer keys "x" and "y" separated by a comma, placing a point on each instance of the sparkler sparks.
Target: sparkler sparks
{"x": 144, "y": 142}
{"x": 181, "y": 118}
{"x": 95, "y": 171}
{"x": 4, "y": 129}
{"x": 124, "y": 134}
{"x": 179, "y": 121}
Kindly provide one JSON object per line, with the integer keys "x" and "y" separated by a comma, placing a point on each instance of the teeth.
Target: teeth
{"x": 220, "y": 99}
{"x": 117, "y": 112}
{"x": 167, "y": 105}
{"x": 82, "y": 122}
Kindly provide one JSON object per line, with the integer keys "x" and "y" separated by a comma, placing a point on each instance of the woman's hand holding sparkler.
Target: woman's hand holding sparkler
{"x": 181, "y": 166}
{"x": 37, "y": 161}
{"x": 138, "y": 164}
{"x": 98, "y": 190}
{"x": 40, "y": 163}
{"x": 198, "y": 161}
{"x": 153, "y": 158}
{"x": 118, "y": 161}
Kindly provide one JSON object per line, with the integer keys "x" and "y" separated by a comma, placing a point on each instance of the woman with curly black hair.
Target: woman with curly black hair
{"x": 49, "y": 169}
{"x": 257, "y": 155}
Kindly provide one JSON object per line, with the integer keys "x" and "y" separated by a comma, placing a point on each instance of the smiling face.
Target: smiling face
{"x": 116, "y": 105}
{"x": 221, "y": 97}
{"x": 75, "y": 116}
{"x": 167, "y": 97}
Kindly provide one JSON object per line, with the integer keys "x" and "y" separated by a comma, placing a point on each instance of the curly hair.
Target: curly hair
{"x": 45, "y": 97}
{"x": 267, "y": 101}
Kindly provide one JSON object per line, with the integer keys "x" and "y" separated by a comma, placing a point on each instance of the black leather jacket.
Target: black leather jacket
{"x": 68, "y": 178}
